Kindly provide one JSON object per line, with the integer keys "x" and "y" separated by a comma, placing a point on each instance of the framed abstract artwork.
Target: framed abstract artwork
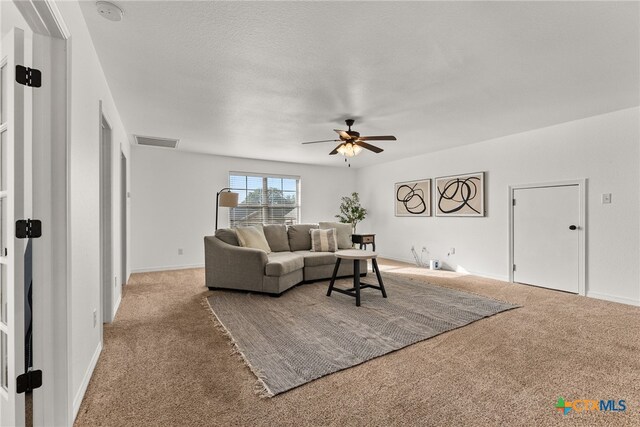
{"x": 460, "y": 195}
{"x": 413, "y": 198}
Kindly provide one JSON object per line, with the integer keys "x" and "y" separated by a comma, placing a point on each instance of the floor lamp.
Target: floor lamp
{"x": 227, "y": 199}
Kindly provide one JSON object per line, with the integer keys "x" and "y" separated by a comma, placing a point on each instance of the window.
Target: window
{"x": 264, "y": 199}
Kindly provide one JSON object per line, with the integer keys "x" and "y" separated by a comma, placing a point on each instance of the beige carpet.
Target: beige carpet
{"x": 163, "y": 364}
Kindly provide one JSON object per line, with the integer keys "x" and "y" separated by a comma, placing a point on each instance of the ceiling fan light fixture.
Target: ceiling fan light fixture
{"x": 349, "y": 150}
{"x": 351, "y": 143}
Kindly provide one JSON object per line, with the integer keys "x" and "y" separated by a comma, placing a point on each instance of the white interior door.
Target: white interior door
{"x": 546, "y": 227}
{"x": 12, "y": 128}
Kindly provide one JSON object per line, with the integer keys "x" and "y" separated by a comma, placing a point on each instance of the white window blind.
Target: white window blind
{"x": 264, "y": 199}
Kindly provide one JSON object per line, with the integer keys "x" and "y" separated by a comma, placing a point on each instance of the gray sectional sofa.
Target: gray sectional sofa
{"x": 291, "y": 262}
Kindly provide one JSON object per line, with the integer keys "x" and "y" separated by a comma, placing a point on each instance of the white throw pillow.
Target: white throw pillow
{"x": 253, "y": 237}
{"x": 323, "y": 240}
{"x": 343, "y": 233}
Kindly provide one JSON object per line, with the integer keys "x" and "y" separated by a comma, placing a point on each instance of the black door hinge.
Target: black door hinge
{"x": 28, "y": 76}
{"x": 28, "y": 228}
{"x": 29, "y": 381}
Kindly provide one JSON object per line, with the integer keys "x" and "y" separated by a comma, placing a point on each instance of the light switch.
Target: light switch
{"x": 606, "y": 198}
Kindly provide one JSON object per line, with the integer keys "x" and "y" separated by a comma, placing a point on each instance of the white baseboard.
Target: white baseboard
{"x": 612, "y": 298}
{"x": 77, "y": 401}
{"x": 165, "y": 268}
{"x": 407, "y": 260}
{"x": 490, "y": 276}
{"x": 412, "y": 262}
{"x": 474, "y": 273}
{"x": 597, "y": 295}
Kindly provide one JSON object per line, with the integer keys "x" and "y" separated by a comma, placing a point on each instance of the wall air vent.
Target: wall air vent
{"x": 156, "y": 142}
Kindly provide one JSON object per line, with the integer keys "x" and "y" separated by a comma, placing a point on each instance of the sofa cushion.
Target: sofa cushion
{"x": 253, "y": 237}
{"x": 228, "y": 236}
{"x": 299, "y": 236}
{"x": 277, "y": 238}
{"x": 344, "y": 232}
{"x": 314, "y": 259}
{"x": 324, "y": 240}
{"x": 281, "y": 263}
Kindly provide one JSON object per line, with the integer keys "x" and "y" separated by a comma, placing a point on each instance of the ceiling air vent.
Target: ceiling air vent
{"x": 156, "y": 142}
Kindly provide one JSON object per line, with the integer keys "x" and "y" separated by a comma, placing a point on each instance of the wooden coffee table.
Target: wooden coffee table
{"x": 356, "y": 255}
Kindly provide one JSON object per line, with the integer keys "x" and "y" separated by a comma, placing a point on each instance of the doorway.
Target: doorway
{"x": 106, "y": 241}
{"x": 547, "y": 235}
{"x": 37, "y": 185}
{"x": 123, "y": 218}
{"x": 15, "y": 203}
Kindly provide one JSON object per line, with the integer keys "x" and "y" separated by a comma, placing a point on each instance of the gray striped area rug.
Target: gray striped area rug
{"x": 305, "y": 335}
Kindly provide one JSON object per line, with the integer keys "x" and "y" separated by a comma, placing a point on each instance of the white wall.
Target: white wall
{"x": 604, "y": 149}
{"x": 173, "y": 200}
{"x": 87, "y": 87}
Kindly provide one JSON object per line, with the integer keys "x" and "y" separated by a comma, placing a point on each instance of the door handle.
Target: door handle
{"x": 573, "y": 227}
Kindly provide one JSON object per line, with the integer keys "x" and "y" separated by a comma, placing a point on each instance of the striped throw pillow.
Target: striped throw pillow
{"x": 323, "y": 240}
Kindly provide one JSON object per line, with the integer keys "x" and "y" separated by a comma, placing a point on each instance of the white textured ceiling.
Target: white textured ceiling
{"x": 255, "y": 79}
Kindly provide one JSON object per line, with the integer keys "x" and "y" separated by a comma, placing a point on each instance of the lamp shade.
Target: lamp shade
{"x": 228, "y": 199}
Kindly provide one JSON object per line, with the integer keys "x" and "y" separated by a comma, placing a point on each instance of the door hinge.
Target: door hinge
{"x": 28, "y": 381}
{"x": 514, "y": 267}
{"x": 514, "y": 202}
{"x": 31, "y": 77}
{"x": 28, "y": 228}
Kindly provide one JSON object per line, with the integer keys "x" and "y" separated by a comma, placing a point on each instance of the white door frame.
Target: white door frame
{"x": 582, "y": 240}
{"x": 106, "y": 218}
{"x": 123, "y": 219}
{"x": 52, "y": 403}
{"x": 12, "y": 408}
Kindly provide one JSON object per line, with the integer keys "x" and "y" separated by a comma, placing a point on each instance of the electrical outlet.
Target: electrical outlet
{"x": 606, "y": 198}
{"x": 180, "y": 251}
{"x": 95, "y": 318}
{"x": 452, "y": 251}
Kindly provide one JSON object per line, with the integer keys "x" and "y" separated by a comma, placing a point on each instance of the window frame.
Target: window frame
{"x": 265, "y": 203}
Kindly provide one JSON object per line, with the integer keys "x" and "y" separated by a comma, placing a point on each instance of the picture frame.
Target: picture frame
{"x": 460, "y": 195}
{"x": 413, "y": 198}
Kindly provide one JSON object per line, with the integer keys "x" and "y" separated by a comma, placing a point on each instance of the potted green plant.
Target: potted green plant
{"x": 350, "y": 211}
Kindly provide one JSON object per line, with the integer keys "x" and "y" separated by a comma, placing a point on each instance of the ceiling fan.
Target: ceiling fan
{"x": 351, "y": 143}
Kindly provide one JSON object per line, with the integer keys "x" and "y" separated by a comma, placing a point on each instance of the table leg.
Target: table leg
{"x": 377, "y": 270}
{"x": 333, "y": 276}
{"x": 356, "y": 280}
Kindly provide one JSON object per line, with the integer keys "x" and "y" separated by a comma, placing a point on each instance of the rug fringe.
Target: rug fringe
{"x": 260, "y": 387}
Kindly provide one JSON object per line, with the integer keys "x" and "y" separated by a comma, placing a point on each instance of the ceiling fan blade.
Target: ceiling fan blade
{"x": 335, "y": 150}
{"x": 368, "y": 146}
{"x": 326, "y": 140}
{"x": 343, "y": 134}
{"x": 378, "y": 138}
